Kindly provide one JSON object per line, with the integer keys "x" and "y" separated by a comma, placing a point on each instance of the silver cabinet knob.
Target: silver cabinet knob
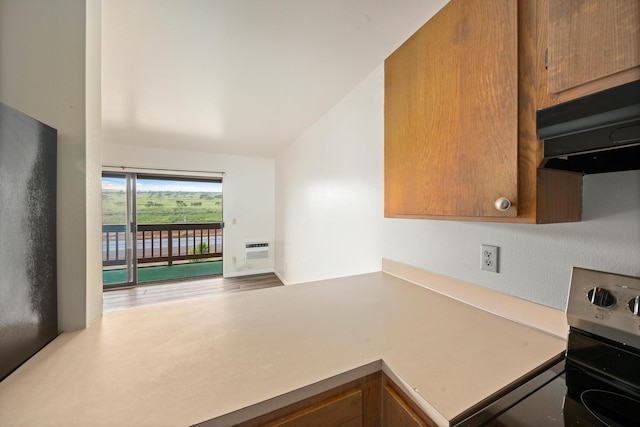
{"x": 503, "y": 204}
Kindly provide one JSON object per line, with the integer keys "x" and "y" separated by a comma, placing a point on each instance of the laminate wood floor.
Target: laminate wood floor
{"x": 120, "y": 299}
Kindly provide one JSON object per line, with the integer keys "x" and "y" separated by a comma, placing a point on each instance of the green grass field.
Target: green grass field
{"x": 163, "y": 207}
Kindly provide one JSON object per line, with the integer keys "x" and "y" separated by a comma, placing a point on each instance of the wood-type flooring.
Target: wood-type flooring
{"x": 120, "y": 299}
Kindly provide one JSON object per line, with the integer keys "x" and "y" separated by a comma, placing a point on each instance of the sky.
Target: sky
{"x": 109, "y": 183}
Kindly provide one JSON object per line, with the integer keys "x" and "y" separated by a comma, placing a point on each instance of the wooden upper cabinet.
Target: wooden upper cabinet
{"x": 461, "y": 96}
{"x": 451, "y": 114}
{"x": 592, "y": 45}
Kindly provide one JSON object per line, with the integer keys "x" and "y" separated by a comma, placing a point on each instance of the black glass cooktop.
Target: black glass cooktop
{"x": 545, "y": 401}
{"x": 536, "y": 403}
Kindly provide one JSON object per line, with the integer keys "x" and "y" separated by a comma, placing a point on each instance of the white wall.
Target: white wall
{"x": 329, "y": 189}
{"x": 94, "y": 157}
{"x": 42, "y": 73}
{"x": 248, "y": 194}
{"x": 329, "y": 192}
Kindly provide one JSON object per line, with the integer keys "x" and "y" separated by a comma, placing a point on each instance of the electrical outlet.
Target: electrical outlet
{"x": 490, "y": 258}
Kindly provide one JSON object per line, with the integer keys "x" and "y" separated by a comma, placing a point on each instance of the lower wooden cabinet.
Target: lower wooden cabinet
{"x": 371, "y": 401}
{"x": 344, "y": 410}
{"x": 396, "y": 411}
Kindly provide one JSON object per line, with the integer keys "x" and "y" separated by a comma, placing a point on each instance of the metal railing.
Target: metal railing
{"x": 114, "y": 244}
{"x": 163, "y": 242}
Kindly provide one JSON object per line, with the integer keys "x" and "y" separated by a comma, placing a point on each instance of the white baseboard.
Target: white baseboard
{"x": 248, "y": 272}
{"x": 277, "y": 273}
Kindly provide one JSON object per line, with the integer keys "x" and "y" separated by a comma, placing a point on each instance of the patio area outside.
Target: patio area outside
{"x": 164, "y": 272}
{"x": 163, "y": 251}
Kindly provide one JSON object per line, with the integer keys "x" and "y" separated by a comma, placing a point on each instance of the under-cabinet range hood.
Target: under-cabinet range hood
{"x": 593, "y": 134}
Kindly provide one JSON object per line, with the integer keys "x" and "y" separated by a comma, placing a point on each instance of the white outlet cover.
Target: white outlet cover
{"x": 490, "y": 258}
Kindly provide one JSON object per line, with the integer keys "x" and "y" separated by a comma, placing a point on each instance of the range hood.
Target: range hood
{"x": 593, "y": 134}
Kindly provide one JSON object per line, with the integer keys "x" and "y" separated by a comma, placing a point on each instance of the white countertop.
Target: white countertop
{"x": 181, "y": 363}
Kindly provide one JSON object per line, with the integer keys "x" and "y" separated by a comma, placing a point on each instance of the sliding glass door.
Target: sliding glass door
{"x": 119, "y": 262}
{"x": 158, "y": 228}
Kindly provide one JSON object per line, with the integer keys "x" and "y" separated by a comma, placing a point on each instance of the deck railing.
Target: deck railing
{"x": 160, "y": 243}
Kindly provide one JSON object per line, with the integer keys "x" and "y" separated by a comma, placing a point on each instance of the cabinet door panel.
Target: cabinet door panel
{"x": 395, "y": 411}
{"x": 451, "y": 114}
{"x": 343, "y": 411}
{"x": 591, "y": 39}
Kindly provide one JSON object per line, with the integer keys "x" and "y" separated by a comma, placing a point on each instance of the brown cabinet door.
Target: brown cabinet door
{"x": 341, "y": 411}
{"x": 371, "y": 401}
{"x": 451, "y": 114}
{"x": 590, "y": 40}
{"x": 396, "y": 412}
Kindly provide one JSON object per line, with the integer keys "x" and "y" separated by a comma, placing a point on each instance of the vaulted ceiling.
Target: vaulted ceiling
{"x": 241, "y": 77}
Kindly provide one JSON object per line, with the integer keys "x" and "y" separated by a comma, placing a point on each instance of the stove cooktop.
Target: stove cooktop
{"x": 598, "y": 384}
{"x": 538, "y": 402}
{"x": 545, "y": 401}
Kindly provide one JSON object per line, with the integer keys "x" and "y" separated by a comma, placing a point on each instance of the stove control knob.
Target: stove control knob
{"x": 601, "y": 297}
{"x": 634, "y": 305}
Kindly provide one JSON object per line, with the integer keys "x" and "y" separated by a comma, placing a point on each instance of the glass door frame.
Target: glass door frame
{"x": 131, "y": 259}
{"x": 132, "y": 229}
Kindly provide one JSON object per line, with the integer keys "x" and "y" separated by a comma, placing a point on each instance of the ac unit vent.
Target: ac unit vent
{"x": 256, "y": 251}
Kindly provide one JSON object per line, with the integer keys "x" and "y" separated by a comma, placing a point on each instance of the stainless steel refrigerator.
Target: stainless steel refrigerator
{"x": 28, "y": 283}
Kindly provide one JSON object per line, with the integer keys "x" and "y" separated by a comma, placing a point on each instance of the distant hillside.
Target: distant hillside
{"x": 163, "y": 207}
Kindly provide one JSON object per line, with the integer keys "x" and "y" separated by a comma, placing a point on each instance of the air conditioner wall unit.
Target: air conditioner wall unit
{"x": 256, "y": 251}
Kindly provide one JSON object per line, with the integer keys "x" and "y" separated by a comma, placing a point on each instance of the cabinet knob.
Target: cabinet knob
{"x": 503, "y": 204}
